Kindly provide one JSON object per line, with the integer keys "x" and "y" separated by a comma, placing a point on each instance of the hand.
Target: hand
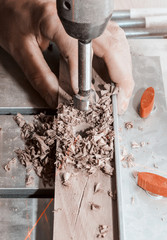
{"x": 113, "y": 47}
{"x": 27, "y": 27}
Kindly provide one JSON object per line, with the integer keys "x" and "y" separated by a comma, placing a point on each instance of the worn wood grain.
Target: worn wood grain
{"x": 73, "y": 217}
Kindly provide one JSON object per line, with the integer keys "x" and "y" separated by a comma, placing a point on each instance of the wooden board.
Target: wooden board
{"x": 73, "y": 217}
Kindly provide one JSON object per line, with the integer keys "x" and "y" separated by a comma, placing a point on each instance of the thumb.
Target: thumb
{"x": 34, "y": 66}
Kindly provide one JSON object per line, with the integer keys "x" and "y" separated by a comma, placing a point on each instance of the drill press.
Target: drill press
{"x": 84, "y": 20}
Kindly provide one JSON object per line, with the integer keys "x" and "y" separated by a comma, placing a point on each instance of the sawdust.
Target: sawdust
{"x": 142, "y": 144}
{"x": 134, "y": 174}
{"x": 155, "y": 165}
{"x": 40, "y": 146}
{"x": 103, "y": 230}
{"x": 128, "y": 161}
{"x": 10, "y": 164}
{"x": 132, "y": 200}
{"x": 135, "y": 145}
{"x": 29, "y": 180}
{"x": 66, "y": 178}
{"x": 129, "y": 125}
{"x": 110, "y": 194}
{"x": 94, "y": 206}
{"x": 84, "y": 140}
{"x": 97, "y": 188}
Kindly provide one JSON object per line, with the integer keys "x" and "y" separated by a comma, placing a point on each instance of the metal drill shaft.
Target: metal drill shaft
{"x": 86, "y": 95}
{"x": 84, "y": 67}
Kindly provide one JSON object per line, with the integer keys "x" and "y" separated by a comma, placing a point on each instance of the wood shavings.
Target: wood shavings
{"x": 94, "y": 206}
{"x": 142, "y": 144}
{"x": 162, "y": 219}
{"x": 110, "y": 194}
{"x": 124, "y": 152}
{"x": 135, "y": 145}
{"x": 40, "y": 145}
{"x": 135, "y": 174}
{"x": 89, "y": 149}
{"x": 97, "y": 187}
{"x": 140, "y": 128}
{"x": 129, "y": 125}
{"x": 155, "y": 165}
{"x": 129, "y": 160}
{"x": 29, "y": 180}
{"x": 108, "y": 169}
{"x": 19, "y": 119}
{"x": 103, "y": 230}
{"x": 85, "y": 139}
{"x": 132, "y": 200}
{"x": 114, "y": 89}
{"x": 57, "y": 210}
{"x": 9, "y": 165}
{"x": 66, "y": 179}
{"x": 107, "y": 86}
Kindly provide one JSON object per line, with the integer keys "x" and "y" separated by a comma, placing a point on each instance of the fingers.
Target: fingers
{"x": 33, "y": 64}
{"x": 53, "y": 30}
{"x": 112, "y": 46}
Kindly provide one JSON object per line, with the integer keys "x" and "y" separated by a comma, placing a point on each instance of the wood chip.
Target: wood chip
{"x": 140, "y": 128}
{"x": 103, "y": 230}
{"x": 142, "y": 144}
{"x": 132, "y": 200}
{"x": 124, "y": 152}
{"x": 29, "y": 180}
{"x": 135, "y": 174}
{"x": 66, "y": 179}
{"x": 155, "y": 165}
{"x": 129, "y": 125}
{"x": 97, "y": 187}
{"x": 94, "y": 206}
{"x": 40, "y": 145}
{"x": 110, "y": 194}
{"x": 129, "y": 160}
{"x": 10, "y": 164}
{"x": 135, "y": 145}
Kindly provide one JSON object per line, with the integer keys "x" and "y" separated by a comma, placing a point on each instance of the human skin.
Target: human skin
{"x": 27, "y": 27}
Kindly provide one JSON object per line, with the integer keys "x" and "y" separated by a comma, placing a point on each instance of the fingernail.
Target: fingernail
{"x": 76, "y": 90}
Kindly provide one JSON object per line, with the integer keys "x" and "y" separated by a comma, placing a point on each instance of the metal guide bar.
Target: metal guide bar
{"x": 26, "y": 193}
{"x": 26, "y": 110}
{"x": 118, "y": 172}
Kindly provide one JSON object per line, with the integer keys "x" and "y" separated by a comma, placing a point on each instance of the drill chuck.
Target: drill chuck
{"x": 84, "y": 19}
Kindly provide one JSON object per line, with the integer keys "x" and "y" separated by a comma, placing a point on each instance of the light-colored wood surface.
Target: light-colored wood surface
{"x": 127, "y": 4}
{"x": 73, "y": 217}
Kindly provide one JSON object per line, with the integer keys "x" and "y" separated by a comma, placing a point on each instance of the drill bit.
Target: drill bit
{"x": 86, "y": 95}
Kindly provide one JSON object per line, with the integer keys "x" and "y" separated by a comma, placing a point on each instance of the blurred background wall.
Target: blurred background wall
{"x": 126, "y": 4}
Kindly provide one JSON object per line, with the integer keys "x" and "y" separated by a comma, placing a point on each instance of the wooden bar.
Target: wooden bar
{"x": 73, "y": 217}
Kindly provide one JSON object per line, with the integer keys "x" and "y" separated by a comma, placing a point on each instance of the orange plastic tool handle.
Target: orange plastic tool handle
{"x": 153, "y": 183}
{"x": 147, "y": 102}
